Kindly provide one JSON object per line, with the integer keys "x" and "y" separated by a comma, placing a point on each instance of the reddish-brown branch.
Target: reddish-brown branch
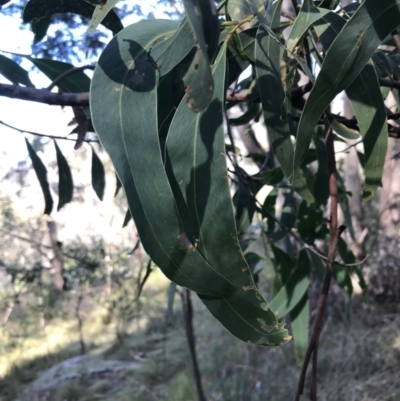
{"x": 334, "y": 236}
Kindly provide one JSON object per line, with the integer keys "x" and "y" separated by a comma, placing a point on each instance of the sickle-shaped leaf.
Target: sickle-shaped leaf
{"x": 198, "y": 173}
{"x": 124, "y": 113}
{"x": 14, "y": 72}
{"x": 39, "y": 9}
{"x": 41, "y": 173}
{"x": 78, "y": 82}
{"x": 272, "y": 97}
{"x": 354, "y": 46}
{"x": 365, "y": 96}
{"x": 65, "y": 183}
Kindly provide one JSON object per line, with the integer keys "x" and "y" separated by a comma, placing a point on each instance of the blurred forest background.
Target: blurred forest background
{"x": 84, "y": 315}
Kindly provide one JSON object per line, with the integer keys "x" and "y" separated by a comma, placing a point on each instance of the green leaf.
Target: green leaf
{"x": 41, "y": 173}
{"x": 39, "y": 28}
{"x": 65, "y": 183}
{"x": 245, "y": 203}
{"x": 100, "y": 13}
{"x": 127, "y": 219}
{"x": 198, "y": 173}
{"x": 239, "y": 9}
{"x": 78, "y": 82}
{"x": 203, "y": 19}
{"x": 149, "y": 270}
{"x": 268, "y": 73}
{"x": 344, "y": 205}
{"x": 268, "y": 209}
{"x": 199, "y": 83}
{"x": 309, "y": 222}
{"x": 321, "y": 184}
{"x": 300, "y": 318}
{"x": 354, "y": 46}
{"x": 13, "y": 72}
{"x": 131, "y": 139}
{"x": 39, "y": 9}
{"x": 365, "y": 96}
{"x": 368, "y": 105}
{"x": 287, "y": 217}
{"x": 171, "y": 51}
{"x": 293, "y": 289}
{"x": 118, "y": 185}
{"x": 340, "y": 129}
{"x": 98, "y": 175}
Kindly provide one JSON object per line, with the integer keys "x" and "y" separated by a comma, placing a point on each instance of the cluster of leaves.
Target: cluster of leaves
{"x": 158, "y": 102}
{"x": 171, "y": 166}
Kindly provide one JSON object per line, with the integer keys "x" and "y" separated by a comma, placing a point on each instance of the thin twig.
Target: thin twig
{"x": 191, "y": 339}
{"x": 334, "y": 235}
{"x": 22, "y": 131}
{"x": 68, "y": 73}
{"x": 287, "y": 230}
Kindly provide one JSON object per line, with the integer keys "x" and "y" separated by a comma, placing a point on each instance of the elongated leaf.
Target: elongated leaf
{"x": 293, "y": 289}
{"x": 131, "y": 139}
{"x": 203, "y": 19}
{"x": 287, "y": 217}
{"x": 14, "y": 72}
{"x": 65, "y": 183}
{"x": 170, "y": 52}
{"x": 199, "y": 175}
{"x": 127, "y": 219}
{"x": 100, "y": 13}
{"x": 300, "y": 318}
{"x": 268, "y": 74}
{"x": 365, "y": 96}
{"x": 39, "y": 9}
{"x": 41, "y": 173}
{"x": 98, "y": 175}
{"x": 78, "y": 82}
{"x": 354, "y": 46}
{"x": 340, "y": 129}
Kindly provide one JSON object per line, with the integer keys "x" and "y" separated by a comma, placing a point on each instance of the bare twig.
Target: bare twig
{"x": 22, "y": 131}
{"x": 188, "y": 316}
{"x": 68, "y": 73}
{"x": 335, "y": 233}
{"x": 44, "y": 96}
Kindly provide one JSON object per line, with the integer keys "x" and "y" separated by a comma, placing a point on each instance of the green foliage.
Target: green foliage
{"x": 160, "y": 101}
